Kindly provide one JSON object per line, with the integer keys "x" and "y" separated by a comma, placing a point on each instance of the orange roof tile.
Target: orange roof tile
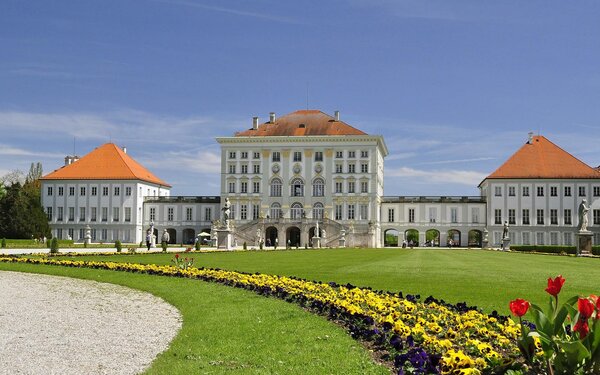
{"x": 543, "y": 159}
{"x": 107, "y": 162}
{"x": 300, "y": 123}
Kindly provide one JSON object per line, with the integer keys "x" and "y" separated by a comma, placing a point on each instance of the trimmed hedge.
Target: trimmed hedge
{"x": 546, "y": 249}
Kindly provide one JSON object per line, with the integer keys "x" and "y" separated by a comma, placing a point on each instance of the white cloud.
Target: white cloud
{"x": 471, "y": 178}
{"x": 6, "y": 150}
{"x": 199, "y": 161}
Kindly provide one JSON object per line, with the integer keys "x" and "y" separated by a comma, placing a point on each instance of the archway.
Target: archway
{"x": 432, "y": 237}
{"x": 390, "y": 238}
{"x": 189, "y": 236}
{"x": 475, "y": 238}
{"x": 270, "y": 236}
{"x": 453, "y": 237}
{"x": 412, "y": 237}
{"x": 312, "y": 230}
{"x": 293, "y": 236}
{"x": 172, "y": 235}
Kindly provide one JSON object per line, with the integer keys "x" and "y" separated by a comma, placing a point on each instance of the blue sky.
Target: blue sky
{"x": 453, "y": 86}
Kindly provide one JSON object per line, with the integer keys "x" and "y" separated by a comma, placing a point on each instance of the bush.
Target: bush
{"x": 545, "y": 249}
{"x": 85, "y": 244}
{"x": 197, "y": 245}
{"x": 596, "y": 250}
{"x": 118, "y": 246}
{"x": 4, "y": 243}
{"x": 245, "y": 246}
{"x": 54, "y": 246}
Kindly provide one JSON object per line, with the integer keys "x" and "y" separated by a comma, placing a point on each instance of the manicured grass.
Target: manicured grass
{"x": 228, "y": 330}
{"x": 487, "y": 279}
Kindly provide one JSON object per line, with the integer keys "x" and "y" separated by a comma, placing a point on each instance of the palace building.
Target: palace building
{"x": 308, "y": 175}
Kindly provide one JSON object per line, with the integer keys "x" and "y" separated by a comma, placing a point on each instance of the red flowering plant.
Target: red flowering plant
{"x": 182, "y": 263}
{"x": 569, "y": 340}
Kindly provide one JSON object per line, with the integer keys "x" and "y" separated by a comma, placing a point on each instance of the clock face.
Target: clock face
{"x": 297, "y": 169}
{"x": 275, "y": 168}
{"x": 318, "y": 168}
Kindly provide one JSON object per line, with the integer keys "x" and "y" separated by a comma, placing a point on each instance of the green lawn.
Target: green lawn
{"x": 228, "y": 330}
{"x": 487, "y": 279}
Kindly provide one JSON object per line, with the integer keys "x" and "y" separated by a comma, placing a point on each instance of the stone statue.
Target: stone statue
{"x": 583, "y": 219}
{"x": 258, "y": 234}
{"x": 505, "y": 230}
{"x": 226, "y": 210}
{"x": 317, "y": 233}
{"x": 485, "y": 235}
{"x": 323, "y": 234}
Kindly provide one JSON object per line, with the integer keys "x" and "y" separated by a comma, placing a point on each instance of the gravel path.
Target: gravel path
{"x": 59, "y": 325}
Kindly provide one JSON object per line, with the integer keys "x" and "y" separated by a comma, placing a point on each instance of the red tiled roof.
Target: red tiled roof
{"x": 107, "y": 162}
{"x": 543, "y": 159}
{"x": 299, "y": 123}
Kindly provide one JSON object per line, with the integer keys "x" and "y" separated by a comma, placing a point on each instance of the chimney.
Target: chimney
{"x": 272, "y": 117}
{"x": 255, "y": 123}
{"x": 71, "y": 159}
{"x": 124, "y": 149}
{"x": 336, "y": 115}
{"x": 530, "y": 138}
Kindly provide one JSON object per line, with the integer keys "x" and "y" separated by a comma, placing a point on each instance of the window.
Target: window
{"x": 338, "y": 168}
{"x": 525, "y": 237}
{"x": 554, "y": 238}
{"x": 117, "y": 191}
{"x": 244, "y": 212}
{"x": 81, "y": 213}
{"x": 244, "y": 155}
{"x": 581, "y": 190}
{"x": 318, "y": 211}
{"x": 567, "y": 217}
{"x": 540, "y": 216}
{"x": 351, "y": 168}
{"x": 351, "y": 209}
{"x": 319, "y": 156}
{"x": 525, "y": 216}
{"x": 391, "y": 215}
{"x": 59, "y": 214}
{"x": 231, "y": 187}
{"x": 553, "y": 191}
{"x": 71, "y": 232}
{"x": 511, "y": 191}
{"x": 115, "y": 213}
{"x": 95, "y": 190}
{"x": 127, "y": 214}
{"x": 244, "y": 168}
{"x": 233, "y": 211}
{"x": 297, "y": 156}
{"x": 276, "y": 156}
{"x": 540, "y": 191}
{"x": 411, "y": 215}
{"x": 82, "y": 191}
{"x": 296, "y": 211}
{"x": 81, "y": 233}
{"x": 539, "y": 238}
{"x": 351, "y": 154}
{"x": 364, "y": 168}
{"x": 93, "y": 214}
{"x": 207, "y": 214}
{"x": 432, "y": 214}
{"x": 256, "y": 168}
{"x": 189, "y": 213}
{"x": 364, "y": 154}
{"x": 231, "y": 154}
{"x": 596, "y": 214}
{"x": 49, "y": 190}
{"x": 554, "y": 216}
{"x": 255, "y": 211}
{"x": 71, "y": 213}
{"x": 276, "y": 187}
{"x": 152, "y": 213}
{"x": 338, "y": 212}
{"x": 61, "y": 191}
{"x": 297, "y": 188}
{"x": 567, "y": 191}
{"x": 170, "y": 213}
{"x": 475, "y": 215}
{"x": 49, "y": 213}
{"x": 105, "y": 191}
{"x": 338, "y": 187}
{"x": 498, "y": 191}
{"x": 318, "y": 187}
{"x": 339, "y": 154}
{"x": 244, "y": 187}
{"x": 104, "y": 234}
{"x": 275, "y": 211}
{"x": 128, "y": 191}
{"x": 364, "y": 186}
{"x": 71, "y": 190}
{"x": 454, "y": 215}
{"x": 256, "y": 155}
{"x": 104, "y": 213}
{"x": 256, "y": 187}
{"x": 596, "y": 191}
{"x": 567, "y": 238}
{"x": 525, "y": 191}
{"x": 511, "y": 216}
{"x": 232, "y": 169}
{"x": 497, "y": 216}
{"x": 364, "y": 212}
{"x": 351, "y": 187}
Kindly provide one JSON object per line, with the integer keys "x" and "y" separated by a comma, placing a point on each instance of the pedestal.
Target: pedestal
{"x": 225, "y": 239}
{"x": 316, "y": 242}
{"x": 584, "y": 243}
{"x": 506, "y": 244}
{"x": 485, "y": 244}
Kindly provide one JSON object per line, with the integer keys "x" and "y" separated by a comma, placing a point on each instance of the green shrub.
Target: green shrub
{"x": 4, "y": 243}
{"x": 197, "y": 245}
{"x": 85, "y": 244}
{"x": 118, "y": 246}
{"x": 545, "y": 249}
{"x": 596, "y": 250}
{"x": 54, "y": 246}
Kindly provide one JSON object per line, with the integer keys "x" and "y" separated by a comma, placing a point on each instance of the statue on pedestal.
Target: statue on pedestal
{"x": 583, "y": 219}
{"x": 226, "y": 212}
{"x": 505, "y": 230}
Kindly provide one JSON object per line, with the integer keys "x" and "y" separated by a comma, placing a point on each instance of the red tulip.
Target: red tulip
{"x": 176, "y": 256}
{"x": 585, "y": 307}
{"x": 582, "y": 328}
{"x": 519, "y": 307}
{"x": 554, "y": 286}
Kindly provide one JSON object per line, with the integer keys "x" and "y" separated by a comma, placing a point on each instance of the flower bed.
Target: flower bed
{"x": 417, "y": 337}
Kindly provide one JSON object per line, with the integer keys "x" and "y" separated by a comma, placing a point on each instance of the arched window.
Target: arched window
{"x": 275, "y": 211}
{"x": 318, "y": 211}
{"x": 297, "y": 188}
{"x": 296, "y": 211}
{"x": 318, "y": 187}
{"x": 276, "y": 187}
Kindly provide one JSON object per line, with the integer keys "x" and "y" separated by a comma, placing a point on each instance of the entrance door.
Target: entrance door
{"x": 293, "y": 236}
